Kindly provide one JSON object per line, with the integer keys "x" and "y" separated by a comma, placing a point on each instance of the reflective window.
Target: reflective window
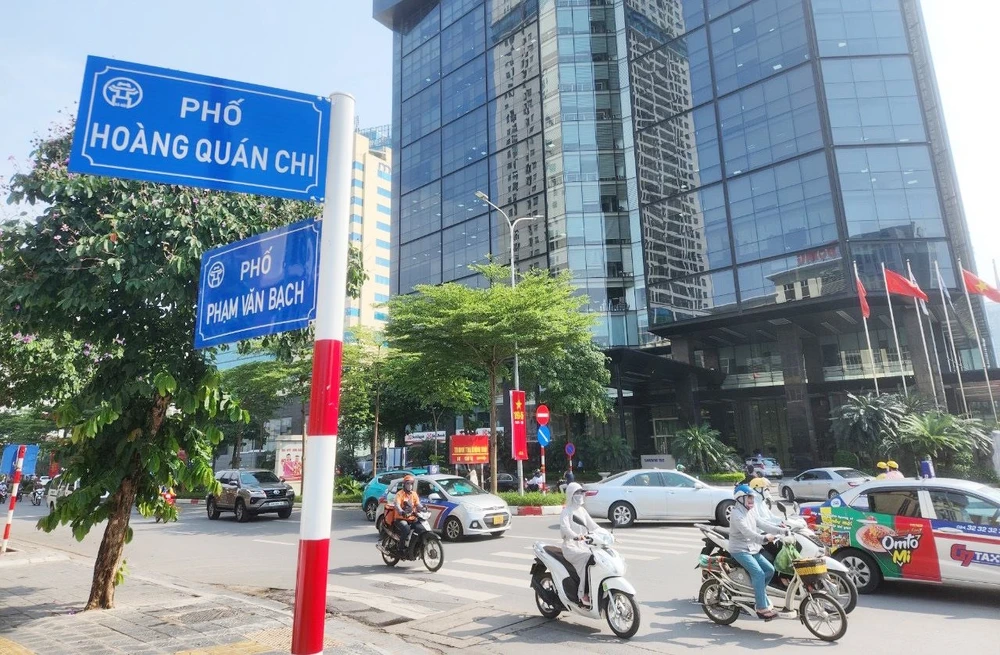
{"x": 650, "y": 24}
{"x": 420, "y": 162}
{"x": 807, "y": 275}
{"x": 515, "y": 115}
{"x": 678, "y": 155}
{"x": 421, "y": 67}
{"x": 672, "y": 79}
{"x": 889, "y": 192}
{"x": 859, "y": 27}
{"x": 718, "y": 7}
{"x": 420, "y": 262}
{"x": 420, "y": 212}
{"x": 921, "y": 255}
{"x": 529, "y": 236}
{"x": 459, "y": 194}
{"x": 517, "y": 172}
{"x": 464, "y": 90}
{"x": 686, "y": 234}
{"x": 462, "y": 40}
{"x": 782, "y": 209}
{"x": 451, "y": 10}
{"x": 423, "y": 114}
{"x": 464, "y": 141}
{"x": 504, "y": 17}
{"x": 462, "y": 245}
{"x": 757, "y": 41}
{"x": 419, "y": 28}
{"x": 693, "y": 297}
{"x": 770, "y": 121}
{"x": 513, "y": 61}
{"x": 872, "y": 100}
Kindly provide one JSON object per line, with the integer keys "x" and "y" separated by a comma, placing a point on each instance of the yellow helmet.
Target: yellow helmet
{"x": 892, "y": 464}
{"x": 882, "y": 465}
{"x": 759, "y": 484}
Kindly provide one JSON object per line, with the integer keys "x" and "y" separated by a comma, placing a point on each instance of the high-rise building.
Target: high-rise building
{"x": 709, "y": 171}
{"x": 371, "y": 224}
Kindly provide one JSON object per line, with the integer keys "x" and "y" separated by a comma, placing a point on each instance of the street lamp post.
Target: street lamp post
{"x": 513, "y": 282}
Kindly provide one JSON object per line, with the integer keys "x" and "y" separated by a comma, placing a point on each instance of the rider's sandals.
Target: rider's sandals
{"x": 767, "y": 614}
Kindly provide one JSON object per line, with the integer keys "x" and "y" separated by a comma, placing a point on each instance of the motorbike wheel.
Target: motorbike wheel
{"x": 823, "y": 616}
{"x": 546, "y": 610}
{"x": 390, "y": 560}
{"x": 622, "y": 614}
{"x": 432, "y": 552}
{"x": 842, "y": 589}
{"x": 35, "y": 500}
{"x": 710, "y": 596}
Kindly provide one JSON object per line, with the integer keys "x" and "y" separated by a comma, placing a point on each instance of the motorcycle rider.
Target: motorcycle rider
{"x": 745, "y": 540}
{"x": 893, "y": 473}
{"x": 762, "y": 506}
{"x": 407, "y": 505}
{"x": 574, "y": 524}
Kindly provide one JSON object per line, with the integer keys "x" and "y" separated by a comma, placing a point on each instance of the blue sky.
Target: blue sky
{"x": 319, "y": 46}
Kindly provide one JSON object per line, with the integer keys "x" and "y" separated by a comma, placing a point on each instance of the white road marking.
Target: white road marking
{"x": 638, "y": 558}
{"x": 673, "y": 543}
{"x": 484, "y": 577}
{"x": 276, "y": 543}
{"x": 379, "y": 602}
{"x": 514, "y": 555}
{"x": 436, "y": 587}
{"x": 514, "y": 536}
{"x": 662, "y": 551}
{"x": 495, "y": 565}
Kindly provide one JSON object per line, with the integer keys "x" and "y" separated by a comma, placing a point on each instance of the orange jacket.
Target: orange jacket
{"x": 403, "y": 496}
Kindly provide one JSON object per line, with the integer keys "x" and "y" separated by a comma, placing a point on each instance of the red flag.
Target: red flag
{"x": 896, "y": 283}
{"x": 976, "y": 285}
{"x": 518, "y": 427}
{"x": 863, "y": 298}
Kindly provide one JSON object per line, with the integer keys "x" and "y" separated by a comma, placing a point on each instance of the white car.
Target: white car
{"x": 766, "y": 466}
{"x": 822, "y": 483}
{"x": 58, "y": 489}
{"x": 457, "y": 506}
{"x": 656, "y": 494}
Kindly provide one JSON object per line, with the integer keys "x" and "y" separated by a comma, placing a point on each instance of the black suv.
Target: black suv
{"x": 248, "y": 493}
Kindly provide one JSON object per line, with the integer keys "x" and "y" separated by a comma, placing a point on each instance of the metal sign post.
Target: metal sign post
{"x": 13, "y": 498}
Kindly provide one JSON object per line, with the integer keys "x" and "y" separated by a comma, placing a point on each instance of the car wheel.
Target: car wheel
{"x": 833, "y": 494}
{"x": 861, "y": 568}
{"x": 621, "y": 514}
{"x": 453, "y": 529}
{"x": 284, "y": 513}
{"x": 212, "y": 509}
{"x": 724, "y": 512}
{"x": 371, "y": 507}
{"x": 788, "y": 494}
{"x": 242, "y": 515}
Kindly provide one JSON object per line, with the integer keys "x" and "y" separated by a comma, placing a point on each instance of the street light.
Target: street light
{"x": 513, "y": 282}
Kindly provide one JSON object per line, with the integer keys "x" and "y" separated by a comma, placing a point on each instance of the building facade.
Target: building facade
{"x": 371, "y": 225}
{"x": 709, "y": 171}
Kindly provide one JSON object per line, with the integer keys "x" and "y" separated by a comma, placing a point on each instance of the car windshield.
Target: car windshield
{"x": 849, "y": 473}
{"x": 459, "y": 487}
{"x": 770, "y": 461}
{"x": 259, "y": 477}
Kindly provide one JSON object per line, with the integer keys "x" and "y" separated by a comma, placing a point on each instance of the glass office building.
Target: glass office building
{"x": 709, "y": 171}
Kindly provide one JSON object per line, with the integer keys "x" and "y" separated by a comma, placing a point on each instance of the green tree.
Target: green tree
{"x": 481, "y": 328}
{"x": 114, "y": 265}
{"x": 943, "y": 436}
{"x": 260, "y": 388}
{"x": 865, "y": 422}
{"x": 701, "y": 449}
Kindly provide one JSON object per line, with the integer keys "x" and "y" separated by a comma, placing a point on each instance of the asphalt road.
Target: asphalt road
{"x": 483, "y": 588}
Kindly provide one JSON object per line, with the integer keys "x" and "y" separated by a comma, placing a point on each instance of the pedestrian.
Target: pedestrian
{"x": 473, "y": 478}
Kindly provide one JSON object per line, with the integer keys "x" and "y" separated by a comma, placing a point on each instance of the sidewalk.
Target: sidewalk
{"x": 44, "y": 592}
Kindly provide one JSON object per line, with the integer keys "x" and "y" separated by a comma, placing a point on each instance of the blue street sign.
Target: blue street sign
{"x": 261, "y": 285}
{"x": 160, "y": 125}
{"x": 9, "y": 460}
{"x": 544, "y": 436}
{"x": 570, "y": 449}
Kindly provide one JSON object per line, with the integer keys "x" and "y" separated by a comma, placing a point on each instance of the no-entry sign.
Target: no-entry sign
{"x": 542, "y": 415}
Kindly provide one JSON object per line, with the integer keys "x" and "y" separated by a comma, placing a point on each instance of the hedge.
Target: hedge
{"x": 347, "y": 498}
{"x": 532, "y": 498}
{"x": 721, "y": 478}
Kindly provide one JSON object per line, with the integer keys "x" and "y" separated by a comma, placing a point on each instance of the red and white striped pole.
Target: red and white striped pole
{"x": 13, "y": 498}
{"x": 324, "y": 402}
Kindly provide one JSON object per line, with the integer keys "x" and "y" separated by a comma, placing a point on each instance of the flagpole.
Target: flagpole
{"x": 895, "y": 334}
{"x": 937, "y": 358}
{"x": 951, "y": 335}
{"x": 871, "y": 353}
{"x": 923, "y": 340}
{"x": 979, "y": 342}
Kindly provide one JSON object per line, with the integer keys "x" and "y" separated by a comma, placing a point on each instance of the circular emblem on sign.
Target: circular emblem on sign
{"x": 215, "y": 274}
{"x": 835, "y": 502}
{"x": 122, "y": 92}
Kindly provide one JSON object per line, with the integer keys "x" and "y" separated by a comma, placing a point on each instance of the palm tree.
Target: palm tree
{"x": 864, "y": 423}
{"x": 932, "y": 433}
{"x": 701, "y": 448}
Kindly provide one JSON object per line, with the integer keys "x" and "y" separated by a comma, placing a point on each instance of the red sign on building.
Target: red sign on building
{"x": 470, "y": 449}
{"x": 518, "y": 426}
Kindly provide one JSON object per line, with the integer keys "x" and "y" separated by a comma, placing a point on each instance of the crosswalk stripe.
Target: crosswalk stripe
{"x": 661, "y": 551}
{"x": 494, "y": 565}
{"x": 521, "y": 582}
{"x": 378, "y": 601}
{"x": 436, "y": 587}
{"x": 637, "y": 558}
{"x": 514, "y": 555}
{"x": 672, "y": 543}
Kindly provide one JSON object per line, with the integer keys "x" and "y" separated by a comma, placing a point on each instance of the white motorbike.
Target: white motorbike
{"x": 556, "y": 584}
{"x": 838, "y": 583}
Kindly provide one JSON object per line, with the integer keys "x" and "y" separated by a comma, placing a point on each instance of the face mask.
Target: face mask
{"x": 578, "y": 499}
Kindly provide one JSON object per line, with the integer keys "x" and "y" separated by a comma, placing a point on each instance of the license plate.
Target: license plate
{"x": 497, "y": 520}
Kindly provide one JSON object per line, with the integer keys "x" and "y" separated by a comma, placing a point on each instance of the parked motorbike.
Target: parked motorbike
{"x": 724, "y": 597}
{"x": 556, "y": 584}
{"x": 838, "y": 582}
{"x": 36, "y": 496}
{"x": 426, "y": 547}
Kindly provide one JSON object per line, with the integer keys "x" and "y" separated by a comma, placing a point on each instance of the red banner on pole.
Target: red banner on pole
{"x": 470, "y": 449}
{"x": 518, "y": 427}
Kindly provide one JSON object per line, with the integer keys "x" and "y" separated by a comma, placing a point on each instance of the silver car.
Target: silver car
{"x": 249, "y": 493}
{"x": 661, "y": 495}
{"x": 822, "y": 483}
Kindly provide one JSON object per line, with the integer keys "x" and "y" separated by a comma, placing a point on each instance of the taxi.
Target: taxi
{"x": 929, "y": 530}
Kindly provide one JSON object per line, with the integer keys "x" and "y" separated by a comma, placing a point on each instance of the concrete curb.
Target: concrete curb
{"x": 201, "y": 501}
{"x": 536, "y": 510}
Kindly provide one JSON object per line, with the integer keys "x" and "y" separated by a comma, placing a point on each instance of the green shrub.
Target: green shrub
{"x": 846, "y": 458}
{"x": 721, "y": 478}
{"x": 532, "y": 498}
{"x": 345, "y": 485}
{"x": 347, "y": 498}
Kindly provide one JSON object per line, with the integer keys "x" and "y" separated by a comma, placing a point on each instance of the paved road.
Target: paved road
{"x": 483, "y": 588}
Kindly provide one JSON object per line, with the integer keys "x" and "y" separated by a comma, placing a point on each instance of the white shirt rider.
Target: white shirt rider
{"x": 574, "y": 524}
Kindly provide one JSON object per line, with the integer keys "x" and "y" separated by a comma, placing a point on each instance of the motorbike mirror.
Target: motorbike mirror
{"x": 795, "y": 508}
{"x": 781, "y": 507}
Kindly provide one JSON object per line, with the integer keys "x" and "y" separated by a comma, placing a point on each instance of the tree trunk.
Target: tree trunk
{"x": 234, "y": 461}
{"x": 378, "y": 398}
{"x": 109, "y": 556}
{"x": 493, "y": 430}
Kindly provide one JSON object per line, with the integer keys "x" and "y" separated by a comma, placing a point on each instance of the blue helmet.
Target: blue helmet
{"x": 742, "y": 490}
